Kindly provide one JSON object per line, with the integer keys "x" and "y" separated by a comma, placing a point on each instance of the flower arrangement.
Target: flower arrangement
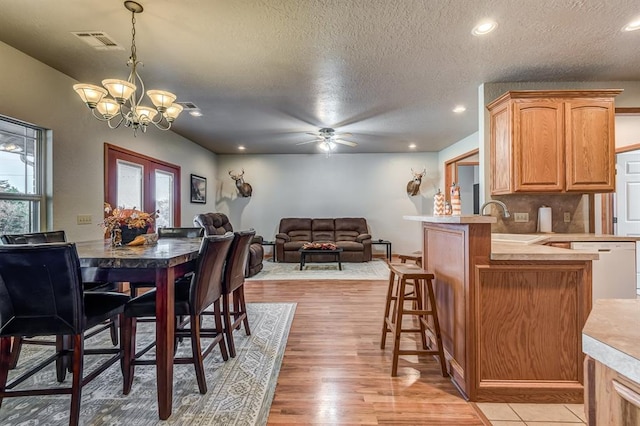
{"x": 120, "y": 218}
{"x": 319, "y": 246}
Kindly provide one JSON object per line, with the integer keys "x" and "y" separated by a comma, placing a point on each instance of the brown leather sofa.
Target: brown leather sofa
{"x": 218, "y": 224}
{"x": 349, "y": 233}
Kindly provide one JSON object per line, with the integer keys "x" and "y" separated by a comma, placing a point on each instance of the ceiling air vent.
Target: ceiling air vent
{"x": 98, "y": 40}
{"x": 188, "y": 105}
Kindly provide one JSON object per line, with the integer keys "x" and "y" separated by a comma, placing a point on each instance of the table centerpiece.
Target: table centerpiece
{"x": 124, "y": 225}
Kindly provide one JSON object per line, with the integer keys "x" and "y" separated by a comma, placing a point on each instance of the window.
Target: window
{"x": 135, "y": 180}
{"x": 22, "y": 202}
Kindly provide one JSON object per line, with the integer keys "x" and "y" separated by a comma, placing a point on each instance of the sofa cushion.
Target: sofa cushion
{"x": 346, "y": 235}
{"x": 289, "y": 224}
{"x": 322, "y": 230}
{"x": 350, "y": 245}
{"x": 357, "y": 224}
{"x": 300, "y": 235}
{"x": 294, "y": 245}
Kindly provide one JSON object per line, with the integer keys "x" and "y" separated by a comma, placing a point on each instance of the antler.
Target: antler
{"x": 421, "y": 174}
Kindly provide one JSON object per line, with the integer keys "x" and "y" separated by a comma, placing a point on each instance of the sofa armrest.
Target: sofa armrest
{"x": 284, "y": 237}
{"x": 360, "y": 238}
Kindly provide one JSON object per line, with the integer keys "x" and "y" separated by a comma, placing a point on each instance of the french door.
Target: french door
{"x": 133, "y": 180}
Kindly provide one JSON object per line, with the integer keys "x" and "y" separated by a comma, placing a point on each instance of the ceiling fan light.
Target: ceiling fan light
{"x": 173, "y": 112}
{"x": 90, "y": 94}
{"x": 327, "y": 146}
{"x": 121, "y": 90}
{"x": 108, "y": 108}
{"x": 161, "y": 99}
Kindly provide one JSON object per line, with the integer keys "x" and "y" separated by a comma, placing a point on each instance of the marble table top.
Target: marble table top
{"x": 167, "y": 252}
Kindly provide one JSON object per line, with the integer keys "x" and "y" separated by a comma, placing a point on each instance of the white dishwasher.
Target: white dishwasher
{"x": 614, "y": 274}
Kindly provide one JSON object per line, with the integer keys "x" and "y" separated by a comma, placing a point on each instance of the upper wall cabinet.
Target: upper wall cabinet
{"x": 553, "y": 141}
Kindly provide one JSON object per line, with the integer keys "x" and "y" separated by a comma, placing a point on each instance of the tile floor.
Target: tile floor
{"x": 533, "y": 414}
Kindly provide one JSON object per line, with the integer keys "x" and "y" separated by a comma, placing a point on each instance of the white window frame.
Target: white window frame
{"x": 38, "y": 200}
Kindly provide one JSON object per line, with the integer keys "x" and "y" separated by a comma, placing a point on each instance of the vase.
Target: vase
{"x": 124, "y": 235}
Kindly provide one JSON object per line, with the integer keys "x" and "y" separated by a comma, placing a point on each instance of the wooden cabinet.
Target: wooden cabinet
{"x": 553, "y": 141}
{"x": 611, "y": 398}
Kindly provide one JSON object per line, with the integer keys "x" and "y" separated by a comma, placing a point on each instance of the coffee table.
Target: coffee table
{"x": 335, "y": 252}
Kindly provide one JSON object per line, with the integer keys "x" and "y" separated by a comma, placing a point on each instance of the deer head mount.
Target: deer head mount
{"x": 244, "y": 189}
{"x": 413, "y": 187}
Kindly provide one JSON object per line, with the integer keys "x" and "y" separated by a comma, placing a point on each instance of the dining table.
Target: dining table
{"x": 162, "y": 263}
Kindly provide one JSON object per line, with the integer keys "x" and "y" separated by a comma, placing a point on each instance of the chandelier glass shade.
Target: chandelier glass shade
{"x": 124, "y": 105}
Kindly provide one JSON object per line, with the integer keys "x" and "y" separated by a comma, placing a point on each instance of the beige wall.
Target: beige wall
{"x": 33, "y": 92}
{"x": 372, "y": 186}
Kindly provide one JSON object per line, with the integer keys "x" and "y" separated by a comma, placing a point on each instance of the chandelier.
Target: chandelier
{"x": 124, "y": 105}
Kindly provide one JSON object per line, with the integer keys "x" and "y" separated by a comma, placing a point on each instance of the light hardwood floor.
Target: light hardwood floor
{"x": 334, "y": 371}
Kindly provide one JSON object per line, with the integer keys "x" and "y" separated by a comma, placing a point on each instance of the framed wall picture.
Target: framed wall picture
{"x": 198, "y": 189}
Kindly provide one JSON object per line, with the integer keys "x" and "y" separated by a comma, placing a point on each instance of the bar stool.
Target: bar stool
{"x": 415, "y": 258}
{"x": 395, "y": 312}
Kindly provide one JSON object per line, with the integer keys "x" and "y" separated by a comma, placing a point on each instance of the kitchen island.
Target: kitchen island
{"x": 511, "y": 314}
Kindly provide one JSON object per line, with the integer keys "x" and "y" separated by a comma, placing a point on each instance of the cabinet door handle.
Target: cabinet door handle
{"x": 627, "y": 394}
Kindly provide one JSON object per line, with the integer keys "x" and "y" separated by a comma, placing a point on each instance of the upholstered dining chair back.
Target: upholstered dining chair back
{"x": 213, "y": 223}
{"x": 206, "y": 285}
{"x": 180, "y": 232}
{"x": 236, "y": 260}
{"x": 34, "y": 238}
{"x": 40, "y": 290}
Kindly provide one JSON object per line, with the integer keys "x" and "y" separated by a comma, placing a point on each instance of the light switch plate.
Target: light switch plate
{"x": 567, "y": 217}
{"x": 521, "y": 217}
{"x": 84, "y": 219}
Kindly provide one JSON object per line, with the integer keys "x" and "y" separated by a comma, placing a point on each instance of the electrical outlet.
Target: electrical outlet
{"x": 84, "y": 219}
{"x": 521, "y": 217}
{"x": 567, "y": 217}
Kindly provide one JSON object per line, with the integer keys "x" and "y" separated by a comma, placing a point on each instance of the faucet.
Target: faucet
{"x": 500, "y": 203}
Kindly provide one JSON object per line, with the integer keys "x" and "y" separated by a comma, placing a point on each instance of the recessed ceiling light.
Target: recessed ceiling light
{"x": 412, "y": 146}
{"x": 632, "y": 26}
{"x": 196, "y": 113}
{"x": 484, "y": 28}
{"x": 459, "y": 108}
{"x": 241, "y": 148}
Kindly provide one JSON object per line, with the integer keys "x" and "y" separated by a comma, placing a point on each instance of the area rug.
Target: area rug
{"x": 374, "y": 270}
{"x": 240, "y": 391}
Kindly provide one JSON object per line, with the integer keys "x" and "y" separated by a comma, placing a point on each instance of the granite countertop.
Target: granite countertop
{"x": 527, "y": 246}
{"x": 531, "y": 246}
{"x": 520, "y": 251}
{"x": 609, "y": 336}
{"x": 453, "y": 219}
{"x": 558, "y": 238}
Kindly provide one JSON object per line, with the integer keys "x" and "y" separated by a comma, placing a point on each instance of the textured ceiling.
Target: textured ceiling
{"x": 264, "y": 72}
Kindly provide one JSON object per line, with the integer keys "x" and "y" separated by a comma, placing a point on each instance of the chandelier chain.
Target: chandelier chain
{"x": 133, "y": 37}
{"x": 124, "y": 105}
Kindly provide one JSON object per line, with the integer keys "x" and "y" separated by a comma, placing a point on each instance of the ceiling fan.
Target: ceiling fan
{"x": 328, "y": 138}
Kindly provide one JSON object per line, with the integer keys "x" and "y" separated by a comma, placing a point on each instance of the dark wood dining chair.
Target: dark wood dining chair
{"x": 42, "y": 295}
{"x": 233, "y": 287}
{"x": 193, "y": 232}
{"x": 56, "y": 237}
{"x": 191, "y": 299}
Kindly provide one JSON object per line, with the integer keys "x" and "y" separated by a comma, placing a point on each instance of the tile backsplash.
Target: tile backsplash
{"x": 577, "y": 205}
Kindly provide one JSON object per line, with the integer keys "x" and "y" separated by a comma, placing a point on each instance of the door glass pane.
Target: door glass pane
{"x": 164, "y": 198}
{"x": 130, "y": 193}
